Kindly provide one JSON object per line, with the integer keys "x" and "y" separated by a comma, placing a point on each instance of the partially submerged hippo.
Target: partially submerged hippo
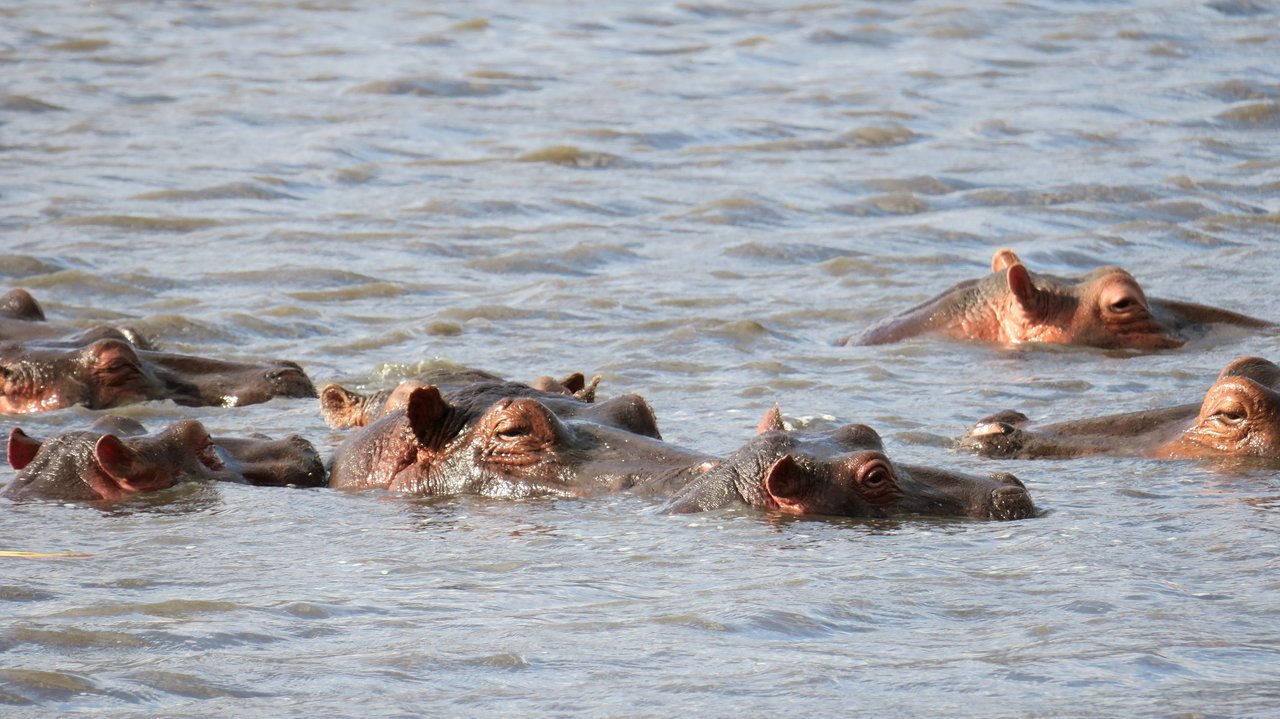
{"x": 844, "y": 472}
{"x": 343, "y": 408}
{"x": 1105, "y": 308}
{"x": 1239, "y": 418}
{"x": 22, "y": 319}
{"x": 112, "y": 372}
{"x": 118, "y": 459}
{"x": 478, "y": 440}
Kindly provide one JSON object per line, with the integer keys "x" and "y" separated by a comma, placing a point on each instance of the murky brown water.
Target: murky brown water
{"x": 695, "y": 200}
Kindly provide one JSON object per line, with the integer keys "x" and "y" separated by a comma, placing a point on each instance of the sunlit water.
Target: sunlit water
{"x": 697, "y": 201}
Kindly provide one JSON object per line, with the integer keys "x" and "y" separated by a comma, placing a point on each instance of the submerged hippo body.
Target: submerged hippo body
{"x": 1105, "y": 308}
{"x": 479, "y": 441}
{"x": 844, "y": 472}
{"x": 118, "y": 459}
{"x": 343, "y": 408}
{"x": 22, "y": 319}
{"x": 1238, "y": 418}
{"x": 111, "y": 372}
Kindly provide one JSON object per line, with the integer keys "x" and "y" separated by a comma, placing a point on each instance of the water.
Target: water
{"x": 695, "y": 200}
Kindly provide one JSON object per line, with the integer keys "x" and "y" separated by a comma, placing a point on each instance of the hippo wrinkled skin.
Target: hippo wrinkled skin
{"x": 1239, "y": 418}
{"x": 482, "y": 440}
{"x": 112, "y": 372}
{"x": 844, "y": 472}
{"x": 118, "y": 459}
{"x": 1105, "y": 308}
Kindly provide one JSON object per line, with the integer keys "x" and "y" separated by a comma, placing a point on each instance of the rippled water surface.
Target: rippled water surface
{"x": 695, "y": 200}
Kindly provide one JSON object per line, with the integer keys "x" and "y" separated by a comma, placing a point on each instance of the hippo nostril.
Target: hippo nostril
{"x": 1010, "y": 502}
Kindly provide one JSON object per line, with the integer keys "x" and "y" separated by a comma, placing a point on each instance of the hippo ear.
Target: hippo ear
{"x": 341, "y": 407}
{"x": 1020, "y": 285}
{"x": 20, "y": 304}
{"x": 114, "y": 456}
{"x": 1003, "y": 259}
{"x": 787, "y": 485}
{"x": 574, "y": 382}
{"x": 429, "y": 417}
{"x": 22, "y": 448}
{"x": 771, "y": 421}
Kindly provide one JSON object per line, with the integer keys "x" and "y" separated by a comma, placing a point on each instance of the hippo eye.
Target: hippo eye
{"x": 1231, "y": 415}
{"x": 512, "y": 431}
{"x": 1124, "y": 304}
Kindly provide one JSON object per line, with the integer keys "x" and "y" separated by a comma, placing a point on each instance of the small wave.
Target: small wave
{"x": 1254, "y": 116}
{"x": 143, "y": 223}
{"x": 572, "y": 156}
{"x": 25, "y": 266}
{"x": 438, "y": 87}
{"x": 88, "y": 44}
{"x": 232, "y": 191}
{"x": 25, "y": 103}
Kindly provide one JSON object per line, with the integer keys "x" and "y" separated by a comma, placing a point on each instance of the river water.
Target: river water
{"x": 695, "y": 200}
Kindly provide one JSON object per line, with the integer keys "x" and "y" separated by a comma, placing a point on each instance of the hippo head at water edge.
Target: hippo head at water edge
{"x": 111, "y": 372}
{"x": 343, "y": 408}
{"x": 116, "y": 458}
{"x": 506, "y": 446}
{"x": 1105, "y": 308}
{"x": 1238, "y": 418}
{"x": 845, "y": 472}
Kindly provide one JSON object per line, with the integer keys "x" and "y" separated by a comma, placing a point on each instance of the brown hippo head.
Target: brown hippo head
{"x": 1240, "y": 415}
{"x": 1105, "y": 308}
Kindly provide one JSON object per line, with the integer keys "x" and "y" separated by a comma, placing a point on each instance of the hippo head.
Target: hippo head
{"x": 521, "y": 447}
{"x": 106, "y": 373}
{"x": 1106, "y": 308}
{"x": 860, "y": 480}
{"x": 1240, "y": 415}
{"x": 845, "y": 472}
{"x": 88, "y": 465}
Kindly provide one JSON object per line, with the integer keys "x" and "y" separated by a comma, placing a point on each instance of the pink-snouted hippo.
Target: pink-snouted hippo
{"x": 476, "y": 441}
{"x": 22, "y": 319}
{"x": 844, "y": 472}
{"x": 1238, "y": 419}
{"x": 117, "y": 459}
{"x": 111, "y": 372}
{"x": 1105, "y": 308}
{"x": 343, "y": 408}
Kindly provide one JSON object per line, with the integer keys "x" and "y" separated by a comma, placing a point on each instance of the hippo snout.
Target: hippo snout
{"x": 996, "y": 436}
{"x": 1012, "y": 502}
{"x": 288, "y": 380}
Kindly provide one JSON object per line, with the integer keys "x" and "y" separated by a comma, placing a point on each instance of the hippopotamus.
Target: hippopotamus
{"x": 117, "y": 459}
{"x": 343, "y": 408}
{"x": 1105, "y": 308}
{"x": 1239, "y": 418}
{"x": 510, "y": 440}
{"x": 22, "y": 319}
{"x": 112, "y": 372}
{"x": 844, "y": 472}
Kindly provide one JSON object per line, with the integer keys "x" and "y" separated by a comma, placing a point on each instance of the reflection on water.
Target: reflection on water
{"x": 696, "y": 201}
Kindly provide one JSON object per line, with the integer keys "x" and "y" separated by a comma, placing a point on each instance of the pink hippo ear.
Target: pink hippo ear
{"x": 22, "y": 448}
{"x": 1003, "y": 259}
{"x": 1020, "y": 286}
{"x": 429, "y": 417}
{"x": 787, "y": 485}
{"x": 114, "y": 457}
{"x": 771, "y": 421}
